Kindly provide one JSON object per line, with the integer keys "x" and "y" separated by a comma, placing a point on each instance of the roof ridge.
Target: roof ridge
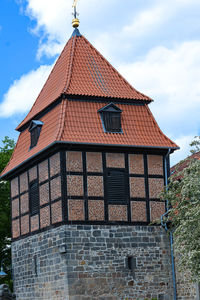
{"x": 154, "y": 121}
{"x": 115, "y": 70}
{"x": 69, "y": 76}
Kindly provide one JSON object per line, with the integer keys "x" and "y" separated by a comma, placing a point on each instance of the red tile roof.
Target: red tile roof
{"x": 49, "y": 134}
{"x": 184, "y": 163}
{"x": 83, "y": 125}
{"x": 79, "y": 122}
{"x": 82, "y": 70}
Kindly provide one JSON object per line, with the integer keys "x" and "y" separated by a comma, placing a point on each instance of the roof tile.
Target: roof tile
{"x": 82, "y": 70}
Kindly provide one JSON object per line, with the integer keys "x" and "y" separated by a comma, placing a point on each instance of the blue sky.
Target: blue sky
{"x": 154, "y": 44}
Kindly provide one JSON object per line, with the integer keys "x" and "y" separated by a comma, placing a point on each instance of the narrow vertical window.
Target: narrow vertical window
{"x": 116, "y": 186}
{"x": 34, "y": 197}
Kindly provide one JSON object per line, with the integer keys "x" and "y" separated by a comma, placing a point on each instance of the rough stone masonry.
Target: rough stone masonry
{"x": 90, "y": 262}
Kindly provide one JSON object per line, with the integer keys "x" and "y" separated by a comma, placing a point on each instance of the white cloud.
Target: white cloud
{"x": 53, "y": 20}
{"x": 147, "y": 19}
{"x": 23, "y": 92}
{"x": 171, "y": 77}
{"x": 152, "y": 18}
{"x": 184, "y": 143}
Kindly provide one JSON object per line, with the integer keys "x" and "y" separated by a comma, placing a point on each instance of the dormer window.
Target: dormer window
{"x": 111, "y": 118}
{"x": 35, "y": 129}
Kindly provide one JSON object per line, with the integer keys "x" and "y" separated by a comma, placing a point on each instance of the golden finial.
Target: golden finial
{"x": 75, "y": 21}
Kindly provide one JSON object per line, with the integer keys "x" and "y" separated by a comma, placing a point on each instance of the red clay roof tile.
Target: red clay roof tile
{"x": 82, "y": 70}
{"x": 48, "y": 135}
{"x": 184, "y": 164}
{"x": 80, "y": 122}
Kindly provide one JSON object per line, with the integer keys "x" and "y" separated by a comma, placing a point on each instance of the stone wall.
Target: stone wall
{"x": 90, "y": 262}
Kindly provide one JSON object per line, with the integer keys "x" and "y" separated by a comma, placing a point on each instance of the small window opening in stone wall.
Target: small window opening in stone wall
{"x": 35, "y": 266}
{"x": 131, "y": 263}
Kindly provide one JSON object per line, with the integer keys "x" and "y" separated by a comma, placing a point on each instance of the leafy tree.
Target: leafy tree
{"x": 5, "y": 214}
{"x": 184, "y": 197}
{"x": 196, "y": 144}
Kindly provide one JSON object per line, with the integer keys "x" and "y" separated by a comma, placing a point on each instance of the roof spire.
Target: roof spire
{"x": 75, "y": 21}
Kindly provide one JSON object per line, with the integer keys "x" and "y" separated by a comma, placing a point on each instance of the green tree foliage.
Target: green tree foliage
{"x": 184, "y": 197}
{"x": 5, "y": 223}
{"x": 195, "y": 144}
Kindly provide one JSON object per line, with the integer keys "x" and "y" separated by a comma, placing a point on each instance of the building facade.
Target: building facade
{"x": 86, "y": 175}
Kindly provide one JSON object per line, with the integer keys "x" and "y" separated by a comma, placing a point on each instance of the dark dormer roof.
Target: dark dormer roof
{"x": 110, "y": 108}
{"x": 34, "y": 124}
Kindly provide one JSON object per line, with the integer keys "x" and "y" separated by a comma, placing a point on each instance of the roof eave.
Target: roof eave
{"x": 8, "y": 175}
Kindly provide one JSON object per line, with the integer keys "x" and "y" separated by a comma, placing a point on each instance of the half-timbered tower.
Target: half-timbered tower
{"x": 86, "y": 175}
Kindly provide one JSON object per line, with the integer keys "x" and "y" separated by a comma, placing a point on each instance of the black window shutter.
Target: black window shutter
{"x": 35, "y": 133}
{"x": 116, "y": 186}
{"x": 115, "y": 122}
{"x": 112, "y": 121}
{"x": 34, "y": 197}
